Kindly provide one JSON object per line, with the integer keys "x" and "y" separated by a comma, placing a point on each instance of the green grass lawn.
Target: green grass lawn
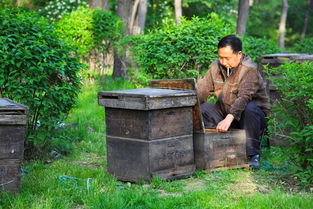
{"x": 80, "y": 179}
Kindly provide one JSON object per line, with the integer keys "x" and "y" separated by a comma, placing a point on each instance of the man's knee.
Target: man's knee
{"x": 207, "y": 107}
{"x": 252, "y": 108}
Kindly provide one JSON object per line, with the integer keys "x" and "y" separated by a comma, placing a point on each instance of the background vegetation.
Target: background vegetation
{"x": 46, "y": 48}
{"x": 38, "y": 70}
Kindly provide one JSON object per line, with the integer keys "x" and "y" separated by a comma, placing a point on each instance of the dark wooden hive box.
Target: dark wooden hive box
{"x": 149, "y": 133}
{"x": 13, "y": 120}
{"x": 213, "y": 151}
{"x": 10, "y": 174}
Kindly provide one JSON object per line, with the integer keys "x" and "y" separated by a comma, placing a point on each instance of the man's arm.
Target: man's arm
{"x": 205, "y": 86}
{"x": 247, "y": 88}
{"x": 224, "y": 125}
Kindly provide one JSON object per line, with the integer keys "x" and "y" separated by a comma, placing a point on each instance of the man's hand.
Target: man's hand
{"x": 224, "y": 125}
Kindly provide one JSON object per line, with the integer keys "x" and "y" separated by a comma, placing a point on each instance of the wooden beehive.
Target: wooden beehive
{"x": 149, "y": 133}
{"x": 213, "y": 151}
{"x": 13, "y": 119}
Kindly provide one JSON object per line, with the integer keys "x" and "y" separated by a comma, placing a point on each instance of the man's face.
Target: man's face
{"x": 228, "y": 58}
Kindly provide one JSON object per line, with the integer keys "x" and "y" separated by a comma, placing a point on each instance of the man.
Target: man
{"x": 242, "y": 98}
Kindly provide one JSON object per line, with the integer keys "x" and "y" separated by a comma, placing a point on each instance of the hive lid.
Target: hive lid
{"x": 149, "y": 92}
{"x": 147, "y": 98}
{"x": 7, "y": 106}
{"x": 280, "y": 58}
{"x": 5, "y": 103}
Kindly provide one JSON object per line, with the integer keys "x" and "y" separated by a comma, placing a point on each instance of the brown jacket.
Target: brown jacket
{"x": 244, "y": 84}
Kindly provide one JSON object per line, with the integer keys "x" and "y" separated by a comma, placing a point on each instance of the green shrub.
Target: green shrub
{"x": 180, "y": 50}
{"x": 256, "y": 47}
{"x": 76, "y": 30}
{"x": 294, "y": 113}
{"x": 6, "y": 4}
{"x": 87, "y": 29}
{"x": 303, "y": 46}
{"x": 38, "y": 70}
{"x": 55, "y": 10}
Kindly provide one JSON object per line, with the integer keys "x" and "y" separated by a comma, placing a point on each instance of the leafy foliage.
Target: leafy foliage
{"x": 6, "y": 4}
{"x": 38, "y": 70}
{"x": 227, "y": 10}
{"x": 256, "y": 47}
{"x": 303, "y": 46}
{"x": 180, "y": 50}
{"x": 158, "y": 10}
{"x": 264, "y": 19}
{"x": 76, "y": 29}
{"x": 294, "y": 112}
{"x": 55, "y": 10}
{"x": 87, "y": 29}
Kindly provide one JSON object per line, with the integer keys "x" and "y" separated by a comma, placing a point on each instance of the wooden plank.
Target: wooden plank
{"x": 189, "y": 84}
{"x": 177, "y": 173}
{"x": 10, "y": 175}
{"x": 170, "y": 122}
{"x": 166, "y": 155}
{"x": 134, "y": 159}
{"x": 243, "y": 166}
{"x": 128, "y": 160}
{"x": 12, "y": 142}
{"x": 214, "y": 149}
{"x": 127, "y": 123}
{"x": 149, "y": 125}
{"x": 170, "y": 102}
{"x": 7, "y": 104}
{"x": 13, "y": 119}
{"x": 147, "y": 99}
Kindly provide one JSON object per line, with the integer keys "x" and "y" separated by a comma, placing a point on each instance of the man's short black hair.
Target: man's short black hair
{"x": 232, "y": 41}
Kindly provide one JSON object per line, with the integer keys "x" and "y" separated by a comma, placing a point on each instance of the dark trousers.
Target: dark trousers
{"x": 252, "y": 120}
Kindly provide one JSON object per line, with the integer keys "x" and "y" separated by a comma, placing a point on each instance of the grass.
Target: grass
{"x": 80, "y": 179}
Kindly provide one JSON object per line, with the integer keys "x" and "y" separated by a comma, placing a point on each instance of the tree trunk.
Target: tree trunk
{"x": 15, "y": 3}
{"x": 306, "y": 18}
{"x": 119, "y": 66}
{"x": 178, "y": 10}
{"x": 133, "y": 13}
{"x": 282, "y": 24}
{"x": 102, "y": 4}
{"x": 124, "y": 11}
{"x": 139, "y": 17}
{"x": 243, "y": 11}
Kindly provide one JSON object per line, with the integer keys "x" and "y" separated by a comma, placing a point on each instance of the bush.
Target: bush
{"x": 6, "y": 4}
{"x": 87, "y": 29}
{"x": 256, "y": 47}
{"x": 180, "y": 50}
{"x": 38, "y": 70}
{"x": 55, "y": 10}
{"x": 303, "y": 46}
{"x": 294, "y": 112}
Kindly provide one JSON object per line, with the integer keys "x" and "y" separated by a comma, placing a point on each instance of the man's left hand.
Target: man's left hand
{"x": 224, "y": 125}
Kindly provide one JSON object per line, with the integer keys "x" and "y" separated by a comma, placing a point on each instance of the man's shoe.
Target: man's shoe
{"x": 255, "y": 162}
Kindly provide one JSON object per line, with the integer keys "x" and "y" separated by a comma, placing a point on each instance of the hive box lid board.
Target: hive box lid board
{"x": 147, "y": 98}
{"x": 283, "y": 55}
{"x": 9, "y": 105}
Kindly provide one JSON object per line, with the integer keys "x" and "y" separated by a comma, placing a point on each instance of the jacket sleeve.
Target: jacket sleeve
{"x": 205, "y": 86}
{"x": 248, "y": 87}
